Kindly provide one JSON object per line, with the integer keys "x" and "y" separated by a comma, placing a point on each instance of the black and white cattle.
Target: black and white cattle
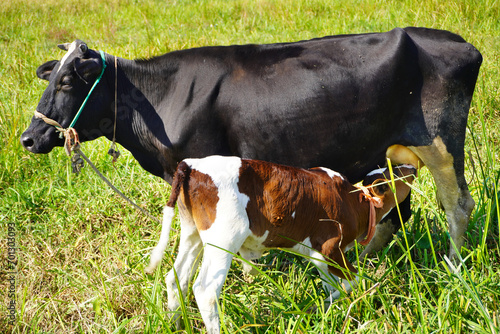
{"x": 338, "y": 101}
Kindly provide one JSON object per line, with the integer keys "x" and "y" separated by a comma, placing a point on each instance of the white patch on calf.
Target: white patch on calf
{"x": 305, "y": 248}
{"x": 71, "y": 49}
{"x": 377, "y": 171}
{"x": 253, "y": 247}
{"x": 384, "y": 169}
{"x": 222, "y": 170}
{"x": 231, "y": 220}
{"x": 331, "y": 173}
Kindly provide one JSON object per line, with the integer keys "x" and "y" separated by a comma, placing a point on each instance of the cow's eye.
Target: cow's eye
{"x": 66, "y": 83}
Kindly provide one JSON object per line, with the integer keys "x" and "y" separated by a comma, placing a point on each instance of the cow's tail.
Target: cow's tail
{"x": 181, "y": 173}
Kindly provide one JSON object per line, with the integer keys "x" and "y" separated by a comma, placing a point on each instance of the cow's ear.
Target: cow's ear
{"x": 380, "y": 187}
{"x": 64, "y": 46}
{"x": 43, "y": 71}
{"x": 87, "y": 68}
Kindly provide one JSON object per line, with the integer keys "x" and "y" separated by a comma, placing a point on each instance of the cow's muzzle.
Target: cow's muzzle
{"x": 35, "y": 145}
{"x": 40, "y": 140}
{"x": 28, "y": 142}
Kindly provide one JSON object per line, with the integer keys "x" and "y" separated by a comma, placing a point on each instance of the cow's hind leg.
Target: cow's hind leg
{"x": 452, "y": 189}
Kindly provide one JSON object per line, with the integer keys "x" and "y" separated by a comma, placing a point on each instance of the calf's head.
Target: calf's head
{"x": 381, "y": 186}
{"x": 70, "y": 80}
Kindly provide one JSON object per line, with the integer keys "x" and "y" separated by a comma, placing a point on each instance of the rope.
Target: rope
{"x": 90, "y": 92}
{"x": 49, "y": 121}
{"x": 72, "y": 141}
{"x": 105, "y": 179}
{"x": 112, "y": 150}
{"x": 72, "y": 145}
{"x": 375, "y": 202}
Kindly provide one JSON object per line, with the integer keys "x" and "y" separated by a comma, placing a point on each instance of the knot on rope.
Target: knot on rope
{"x": 114, "y": 152}
{"x": 71, "y": 141}
{"x": 375, "y": 202}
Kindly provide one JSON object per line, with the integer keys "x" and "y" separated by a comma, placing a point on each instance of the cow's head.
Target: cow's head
{"x": 70, "y": 80}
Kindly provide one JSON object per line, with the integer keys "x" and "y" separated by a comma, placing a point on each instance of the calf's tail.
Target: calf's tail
{"x": 181, "y": 173}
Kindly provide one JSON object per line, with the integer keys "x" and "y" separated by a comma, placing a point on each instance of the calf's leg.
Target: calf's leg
{"x": 342, "y": 277}
{"x": 345, "y": 272}
{"x": 223, "y": 239}
{"x": 208, "y": 286}
{"x": 190, "y": 247}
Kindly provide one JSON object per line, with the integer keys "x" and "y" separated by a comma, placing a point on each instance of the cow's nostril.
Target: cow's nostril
{"x": 27, "y": 142}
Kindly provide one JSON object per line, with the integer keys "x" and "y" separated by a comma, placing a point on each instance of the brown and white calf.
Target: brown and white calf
{"x": 229, "y": 205}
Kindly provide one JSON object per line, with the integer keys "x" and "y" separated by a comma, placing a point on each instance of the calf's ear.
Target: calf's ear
{"x": 87, "y": 69}
{"x": 43, "y": 71}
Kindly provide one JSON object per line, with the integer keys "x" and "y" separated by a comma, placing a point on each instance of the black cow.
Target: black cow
{"x": 336, "y": 101}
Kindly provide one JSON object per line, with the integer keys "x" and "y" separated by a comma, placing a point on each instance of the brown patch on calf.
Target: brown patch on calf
{"x": 295, "y": 204}
{"x": 201, "y": 200}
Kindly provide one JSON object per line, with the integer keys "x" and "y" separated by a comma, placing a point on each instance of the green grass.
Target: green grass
{"x": 81, "y": 249}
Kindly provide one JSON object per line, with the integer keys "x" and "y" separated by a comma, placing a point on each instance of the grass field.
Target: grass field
{"x": 81, "y": 250}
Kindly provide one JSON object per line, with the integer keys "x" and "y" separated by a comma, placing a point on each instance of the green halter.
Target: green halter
{"x": 90, "y": 92}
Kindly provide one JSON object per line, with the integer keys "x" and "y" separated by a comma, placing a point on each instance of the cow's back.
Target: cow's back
{"x": 304, "y": 103}
{"x": 316, "y": 98}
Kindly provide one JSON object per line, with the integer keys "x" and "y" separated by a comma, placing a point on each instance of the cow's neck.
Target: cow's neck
{"x": 140, "y": 128}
